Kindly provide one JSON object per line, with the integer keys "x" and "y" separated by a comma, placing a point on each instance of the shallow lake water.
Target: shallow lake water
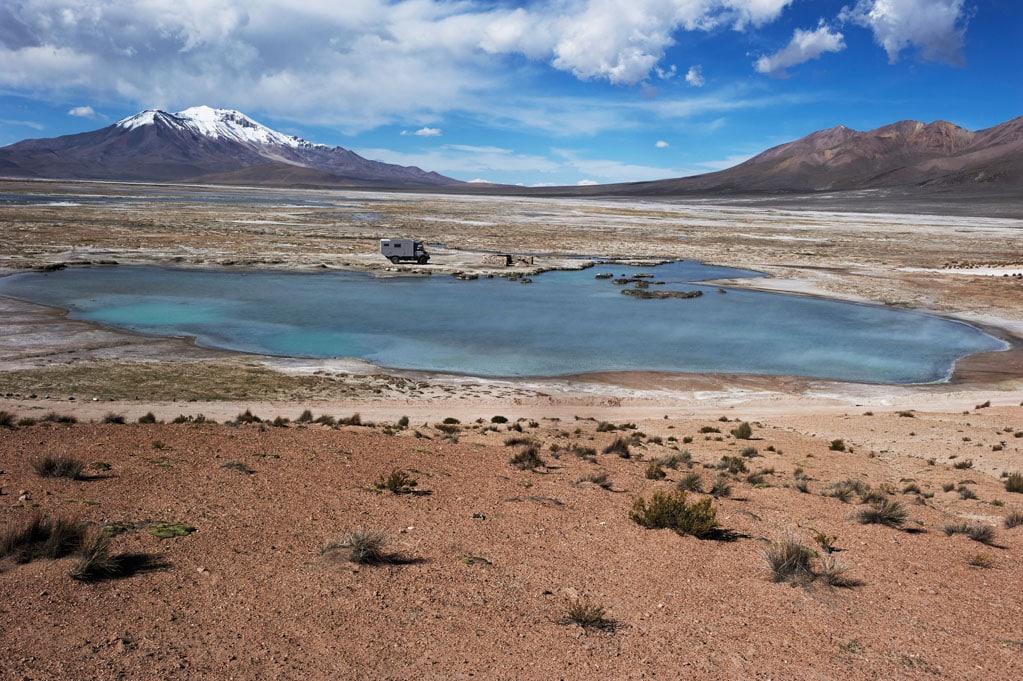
{"x": 562, "y": 323}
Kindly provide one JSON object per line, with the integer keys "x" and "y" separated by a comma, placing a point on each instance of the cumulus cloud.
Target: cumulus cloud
{"x": 82, "y": 112}
{"x": 934, "y": 27}
{"x": 424, "y": 132}
{"x": 661, "y": 144}
{"x": 355, "y": 65}
{"x": 804, "y": 46}
{"x": 694, "y": 76}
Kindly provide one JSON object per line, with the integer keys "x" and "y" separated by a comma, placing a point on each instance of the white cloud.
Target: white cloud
{"x": 694, "y": 76}
{"x": 354, "y": 65}
{"x": 82, "y": 112}
{"x": 935, "y": 27}
{"x": 479, "y": 180}
{"x": 424, "y": 132}
{"x": 586, "y": 183}
{"x": 661, "y": 144}
{"x": 804, "y": 46}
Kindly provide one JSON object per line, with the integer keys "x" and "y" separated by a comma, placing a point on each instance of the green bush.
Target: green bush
{"x": 1014, "y": 483}
{"x": 669, "y": 510}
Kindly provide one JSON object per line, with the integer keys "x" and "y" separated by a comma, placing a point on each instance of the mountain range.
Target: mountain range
{"x": 221, "y": 146}
{"x": 206, "y": 146}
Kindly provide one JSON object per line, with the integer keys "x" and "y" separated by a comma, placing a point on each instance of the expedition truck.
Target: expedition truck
{"x": 403, "y": 250}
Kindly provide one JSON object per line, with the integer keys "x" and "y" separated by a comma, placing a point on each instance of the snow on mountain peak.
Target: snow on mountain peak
{"x": 217, "y": 124}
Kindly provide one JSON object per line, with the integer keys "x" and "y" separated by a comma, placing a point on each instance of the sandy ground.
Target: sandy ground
{"x": 493, "y": 556}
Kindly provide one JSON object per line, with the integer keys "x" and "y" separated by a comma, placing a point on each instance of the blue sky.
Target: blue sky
{"x": 519, "y": 92}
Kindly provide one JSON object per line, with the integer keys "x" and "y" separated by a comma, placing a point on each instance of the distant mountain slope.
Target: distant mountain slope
{"x": 903, "y": 154}
{"x": 201, "y": 144}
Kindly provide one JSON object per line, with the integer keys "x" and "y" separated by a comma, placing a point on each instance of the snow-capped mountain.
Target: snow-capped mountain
{"x": 224, "y": 124}
{"x": 203, "y": 145}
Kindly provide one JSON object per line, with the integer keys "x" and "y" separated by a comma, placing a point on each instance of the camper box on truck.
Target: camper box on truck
{"x": 403, "y": 250}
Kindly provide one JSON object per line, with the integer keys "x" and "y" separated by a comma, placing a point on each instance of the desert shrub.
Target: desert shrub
{"x": 948, "y": 486}
{"x": 832, "y": 571}
{"x": 305, "y": 417}
{"x": 499, "y": 419}
{"x": 148, "y": 417}
{"x": 7, "y": 419}
{"x": 1014, "y": 519}
{"x": 720, "y": 487}
{"x": 872, "y": 495}
{"x": 749, "y": 453}
{"x": 280, "y": 422}
{"x": 54, "y": 417}
{"x": 605, "y": 427}
{"x": 743, "y": 431}
{"x": 397, "y": 482}
{"x": 403, "y": 422}
{"x": 687, "y": 439}
{"x": 94, "y": 558}
{"x": 353, "y": 420}
{"x": 669, "y": 510}
{"x": 963, "y": 465}
{"x": 912, "y": 488}
{"x": 884, "y": 512}
{"x": 709, "y": 429}
{"x": 181, "y": 418}
{"x": 732, "y": 464}
{"x": 519, "y": 440}
{"x": 844, "y": 489}
{"x": 449, "y": 428}
{"x": 837, "y": 446}
{"x": 598, "y": 478}
{"x": 528, "y": 458}
{"x": 756, "y": 478}
{"x": 58, "y": 466}
{"x": 111, "y": 417}
{"x": 40, "y": 536}
{"x": 585, "y": 453}
{"x": 907, "y": 414}
{"x": 825, "y": 541}
{"x": 690, "y": 482}
{"x": 362, "y": 545}
{"x": 674, "y": 460}
{"x": 620, "y": 447}
{"x": 588, "y": 615}
{"x": 655, "y": 472}
{"x": 1014, "y": 483}
{"x": 237, "y": 466}
{"x": 326, "y": 420}
{"x": 985, "y": 534}
{"x": 164, "y": 529}
{"x": 801, "y": 485}
{"x": 788, "y": 559}
{"x": 980, "y": 560}
{"x": 965, "y": 492}
{"x": 25, "y": 421}
{"x": 247, "y": 417}
{"x": 451, "y": 420}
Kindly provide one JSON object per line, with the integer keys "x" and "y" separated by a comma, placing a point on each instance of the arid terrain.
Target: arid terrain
{"x": 487, "y": 559}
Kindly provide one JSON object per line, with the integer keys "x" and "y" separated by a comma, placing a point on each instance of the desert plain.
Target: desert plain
{"x": 491, "y": 553}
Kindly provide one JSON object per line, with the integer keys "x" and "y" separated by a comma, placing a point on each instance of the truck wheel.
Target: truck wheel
{"x": 423, "y": 260}
{"x": 395, "y": 259}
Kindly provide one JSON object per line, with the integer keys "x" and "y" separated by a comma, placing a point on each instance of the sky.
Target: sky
{"x": 562, "y": 92}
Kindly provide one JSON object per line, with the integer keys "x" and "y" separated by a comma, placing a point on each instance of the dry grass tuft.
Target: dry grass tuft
{"x": 58, "y": 466}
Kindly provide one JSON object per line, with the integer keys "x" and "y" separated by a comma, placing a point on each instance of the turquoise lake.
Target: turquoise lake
{"x": 563, "y": 323}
